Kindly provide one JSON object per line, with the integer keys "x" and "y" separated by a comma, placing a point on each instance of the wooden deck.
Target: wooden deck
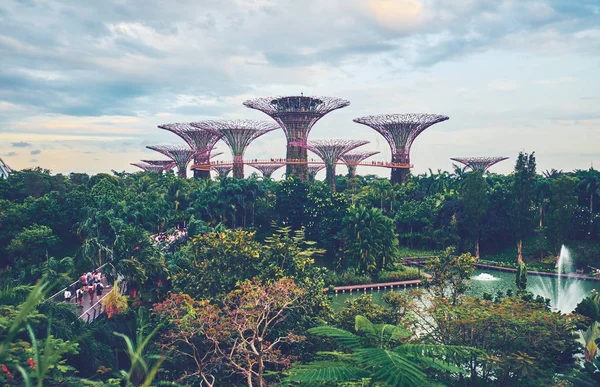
{"x": 379, "y": 286}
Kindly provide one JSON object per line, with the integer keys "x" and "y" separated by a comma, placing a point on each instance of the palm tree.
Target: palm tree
{"x": 591, "y": 185}
{"x": 379, "y": 353}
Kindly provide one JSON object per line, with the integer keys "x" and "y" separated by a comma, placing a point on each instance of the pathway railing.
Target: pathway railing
{"x": 58, "y": 296}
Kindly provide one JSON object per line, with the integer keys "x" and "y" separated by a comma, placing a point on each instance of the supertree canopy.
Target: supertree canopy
{"x": 165, "y": 164}
{"x": 296, "y": 115}
{"x": 331, "y": 151}
{"x": 222, "y": 170}
{"x": 479, "y": 163}
{"x": 200, "y": 140}
{"x": 4, "y": 169}
{"x": 313, "y": 169}
{"x": 400, "y": 130}
{"x": 180, "y": 154}
{"x": 267, "y": 169}
{"x": 237, "y": 134}
{"x": 149, "y": 167}
{"x": 352, "y": 159}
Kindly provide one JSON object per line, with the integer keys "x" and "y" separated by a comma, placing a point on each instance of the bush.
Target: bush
{"x": 407, "y": 274}
{"x": 348, "y": 277}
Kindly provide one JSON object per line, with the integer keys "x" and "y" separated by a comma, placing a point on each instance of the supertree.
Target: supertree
{"x": 4, "y": 169}
{"x": 313, "y": 169}
{"x": 330, "y": 151}
{"x": 180, "y": 154}
{"x": 222, "y": 170}
{"x": 353, "y": 159}
{"x": 149, "y": 167}
{"x": 479, "y": 163}
{"x": 200, "y": 140}
{"x": 296, "y": 115}
{"x": 266, "y": 169}
{"x": 165, "y": 164}
{"x": 237, "y": 134}
{"x": 400, "y": 130}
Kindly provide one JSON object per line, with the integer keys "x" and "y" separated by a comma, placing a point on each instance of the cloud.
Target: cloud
{"x": 11, "y": 154}
{"x": 20, "y": 144}
{"x": 35, "y": 152}
{"x": 33, "y": 161}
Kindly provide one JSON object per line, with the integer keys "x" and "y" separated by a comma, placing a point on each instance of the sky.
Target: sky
{"x": 84, "y": 84}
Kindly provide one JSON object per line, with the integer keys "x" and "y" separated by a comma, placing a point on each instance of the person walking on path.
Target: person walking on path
{"x": 91, "y": 293}
{"x": 99, "y": 288}
{"x": 68, "y": 294}
{"x": 79, "y": 296}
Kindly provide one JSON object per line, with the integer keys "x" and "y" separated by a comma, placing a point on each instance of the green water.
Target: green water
{"x": 575, "y": 289}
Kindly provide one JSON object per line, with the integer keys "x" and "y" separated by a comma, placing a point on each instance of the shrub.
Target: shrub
{"x": 348, "y": 277}
{"x": 409, "y": 273}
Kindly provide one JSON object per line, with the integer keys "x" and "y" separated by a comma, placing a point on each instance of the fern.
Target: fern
{"x": 391, "y": 367}
{"x": 344, "y": 338}
{"x": 324, "y": 370}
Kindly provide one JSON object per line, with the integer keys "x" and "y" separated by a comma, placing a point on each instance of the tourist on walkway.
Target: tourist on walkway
{"x": 68, "y": 294}
{"x": 99, "y": 288}
{"x": 79, "y": 296}
{"x": 91, "y": 293}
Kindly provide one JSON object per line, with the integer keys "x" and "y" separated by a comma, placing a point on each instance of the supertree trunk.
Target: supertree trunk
{"x": 330, "y": 176}
{"x": 238, "y": 167}
{"x": 351, "y": 171}
{"x": 297, "y": 153}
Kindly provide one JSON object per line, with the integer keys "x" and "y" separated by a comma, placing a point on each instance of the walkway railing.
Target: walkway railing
{"x": 382, "y": 164}
{"x": 58, "y": 296}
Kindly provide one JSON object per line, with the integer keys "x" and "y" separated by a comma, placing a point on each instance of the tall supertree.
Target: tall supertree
{"x": 237, "y": 134}
{"x": 266, "y": 169}
{"x": 222, "y": 170}
{"x": 479, "y": 163}
{"x": 296, "y": 115}
{"x": 180, "y": 154}
{"x": 313, "y": 169}
{"x": 200, "y": 140}
{"x": 400, "y": 131}
{"x": 331, "y": 151}
{"x": 149, "y": 167}
{"x": 354, "y": 158}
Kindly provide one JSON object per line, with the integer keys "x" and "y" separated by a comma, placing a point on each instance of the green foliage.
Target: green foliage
{"x": 378, "y": 355}
{"x": 406, "y": 274}
{"x": 521, "y": 278}
{"x": 449, "y": 274}
{"x": 369, "y": 239}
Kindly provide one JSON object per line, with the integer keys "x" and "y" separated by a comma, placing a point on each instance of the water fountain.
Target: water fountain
{"x": 565, "y": 295}
{"x": 485, "y": 277}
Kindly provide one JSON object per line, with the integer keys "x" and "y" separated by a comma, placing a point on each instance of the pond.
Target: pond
{"x": 571, "y": 291}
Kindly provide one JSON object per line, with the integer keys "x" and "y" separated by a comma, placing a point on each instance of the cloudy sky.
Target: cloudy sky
{"x": 83, "y": 84}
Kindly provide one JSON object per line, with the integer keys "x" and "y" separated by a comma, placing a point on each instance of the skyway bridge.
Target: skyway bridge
{"x": 275, "y": 161}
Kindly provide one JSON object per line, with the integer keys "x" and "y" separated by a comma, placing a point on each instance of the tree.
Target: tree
{"x": 449, "y": 274}
{"x": 560, "y": 210}
{"x": 523, "y": 199}
{"x": 475, "y": 199}
{"x": 591, "y": 185}
{"x": 31, "y": 245}
{"x": 521, "y": 278}
{"x": 524, "y": 343}
{"x": 369, "y": 239}
{"x": 242, "y": 334}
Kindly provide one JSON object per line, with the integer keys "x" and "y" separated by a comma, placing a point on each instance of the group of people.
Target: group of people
{"x": 163, "y": 237}
{"x": 90, "y": 282}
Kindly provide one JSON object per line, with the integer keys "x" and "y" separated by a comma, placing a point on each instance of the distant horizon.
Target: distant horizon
{"x": 84, "y": 85}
